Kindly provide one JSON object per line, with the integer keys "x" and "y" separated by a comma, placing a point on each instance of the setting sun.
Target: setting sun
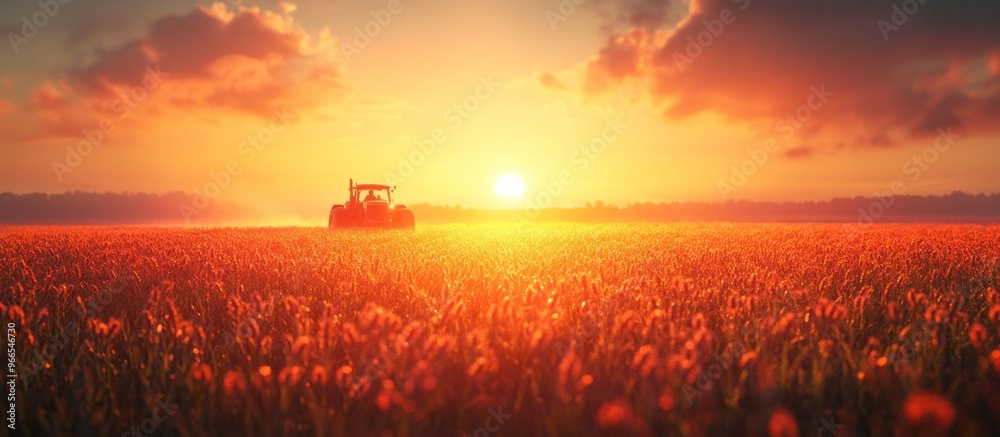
{"x": 509, "y": 185}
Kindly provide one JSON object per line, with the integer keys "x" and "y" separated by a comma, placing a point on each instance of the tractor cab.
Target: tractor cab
{"x": 375, "y": 207}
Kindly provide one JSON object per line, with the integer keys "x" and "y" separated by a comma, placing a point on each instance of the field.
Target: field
{"x": 490, "y": 330}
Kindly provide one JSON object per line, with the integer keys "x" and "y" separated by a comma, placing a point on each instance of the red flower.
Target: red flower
{"x": 263, "y": 376}
{"x": 930, "y": 413}
{"x": 201, "y": 372}
{"x": 319, "y": 375}
{"x": 782, "y": 424}
{"x": 977, "y": 335}
{"x": 614, "y": 414}
{"x": 291, "y": 375}
{"x": 234, "y": 383}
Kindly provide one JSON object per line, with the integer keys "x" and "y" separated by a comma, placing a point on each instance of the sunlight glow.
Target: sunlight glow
{"x": 509, "y": 185}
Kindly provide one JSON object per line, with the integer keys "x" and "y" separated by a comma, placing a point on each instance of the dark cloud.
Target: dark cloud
{"x": 937, "y": 66}
{"x": 799, "y": 152}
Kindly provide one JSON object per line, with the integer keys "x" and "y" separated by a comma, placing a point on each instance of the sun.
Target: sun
{"x": 509, "y": 185}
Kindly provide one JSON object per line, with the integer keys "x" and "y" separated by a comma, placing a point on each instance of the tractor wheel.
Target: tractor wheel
{"x": 339, "y": 217}
{"x": 404, "y": 219}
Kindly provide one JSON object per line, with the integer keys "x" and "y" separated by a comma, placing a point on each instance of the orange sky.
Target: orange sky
{"x": 642, "y": 100}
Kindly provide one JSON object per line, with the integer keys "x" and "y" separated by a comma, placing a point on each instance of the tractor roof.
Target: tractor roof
{"x": 379, "y": 187}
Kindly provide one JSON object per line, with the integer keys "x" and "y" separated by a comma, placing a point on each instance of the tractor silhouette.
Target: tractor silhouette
{"x": 371, "y": 210}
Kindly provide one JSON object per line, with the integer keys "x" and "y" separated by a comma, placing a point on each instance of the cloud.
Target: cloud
{"x": 799, "y": 152}
{"x": 549, "y": 81}
{"x": 939, "y": 68}
{"x": 626, "y": 55}
{"x": 645, "y": 14}
{"x": 248, "y": 61}
{"x": 211, "y": 60}
{"x": 85, "y": 30}
{"x": 50, "y": 112}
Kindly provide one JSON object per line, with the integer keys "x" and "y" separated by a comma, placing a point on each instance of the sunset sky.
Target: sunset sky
{"x": 330, "y": 90}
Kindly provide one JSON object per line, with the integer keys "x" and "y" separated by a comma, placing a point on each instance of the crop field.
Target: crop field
{"x": 498, "y": 330}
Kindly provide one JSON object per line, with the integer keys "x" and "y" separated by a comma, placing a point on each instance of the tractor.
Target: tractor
{"x": 366, "y": 208}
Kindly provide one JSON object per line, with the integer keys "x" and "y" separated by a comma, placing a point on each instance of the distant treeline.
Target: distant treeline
{"x": 954, "y": 207}
{"x": 115, "y": 208}
{"x": 141, "y": 208}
